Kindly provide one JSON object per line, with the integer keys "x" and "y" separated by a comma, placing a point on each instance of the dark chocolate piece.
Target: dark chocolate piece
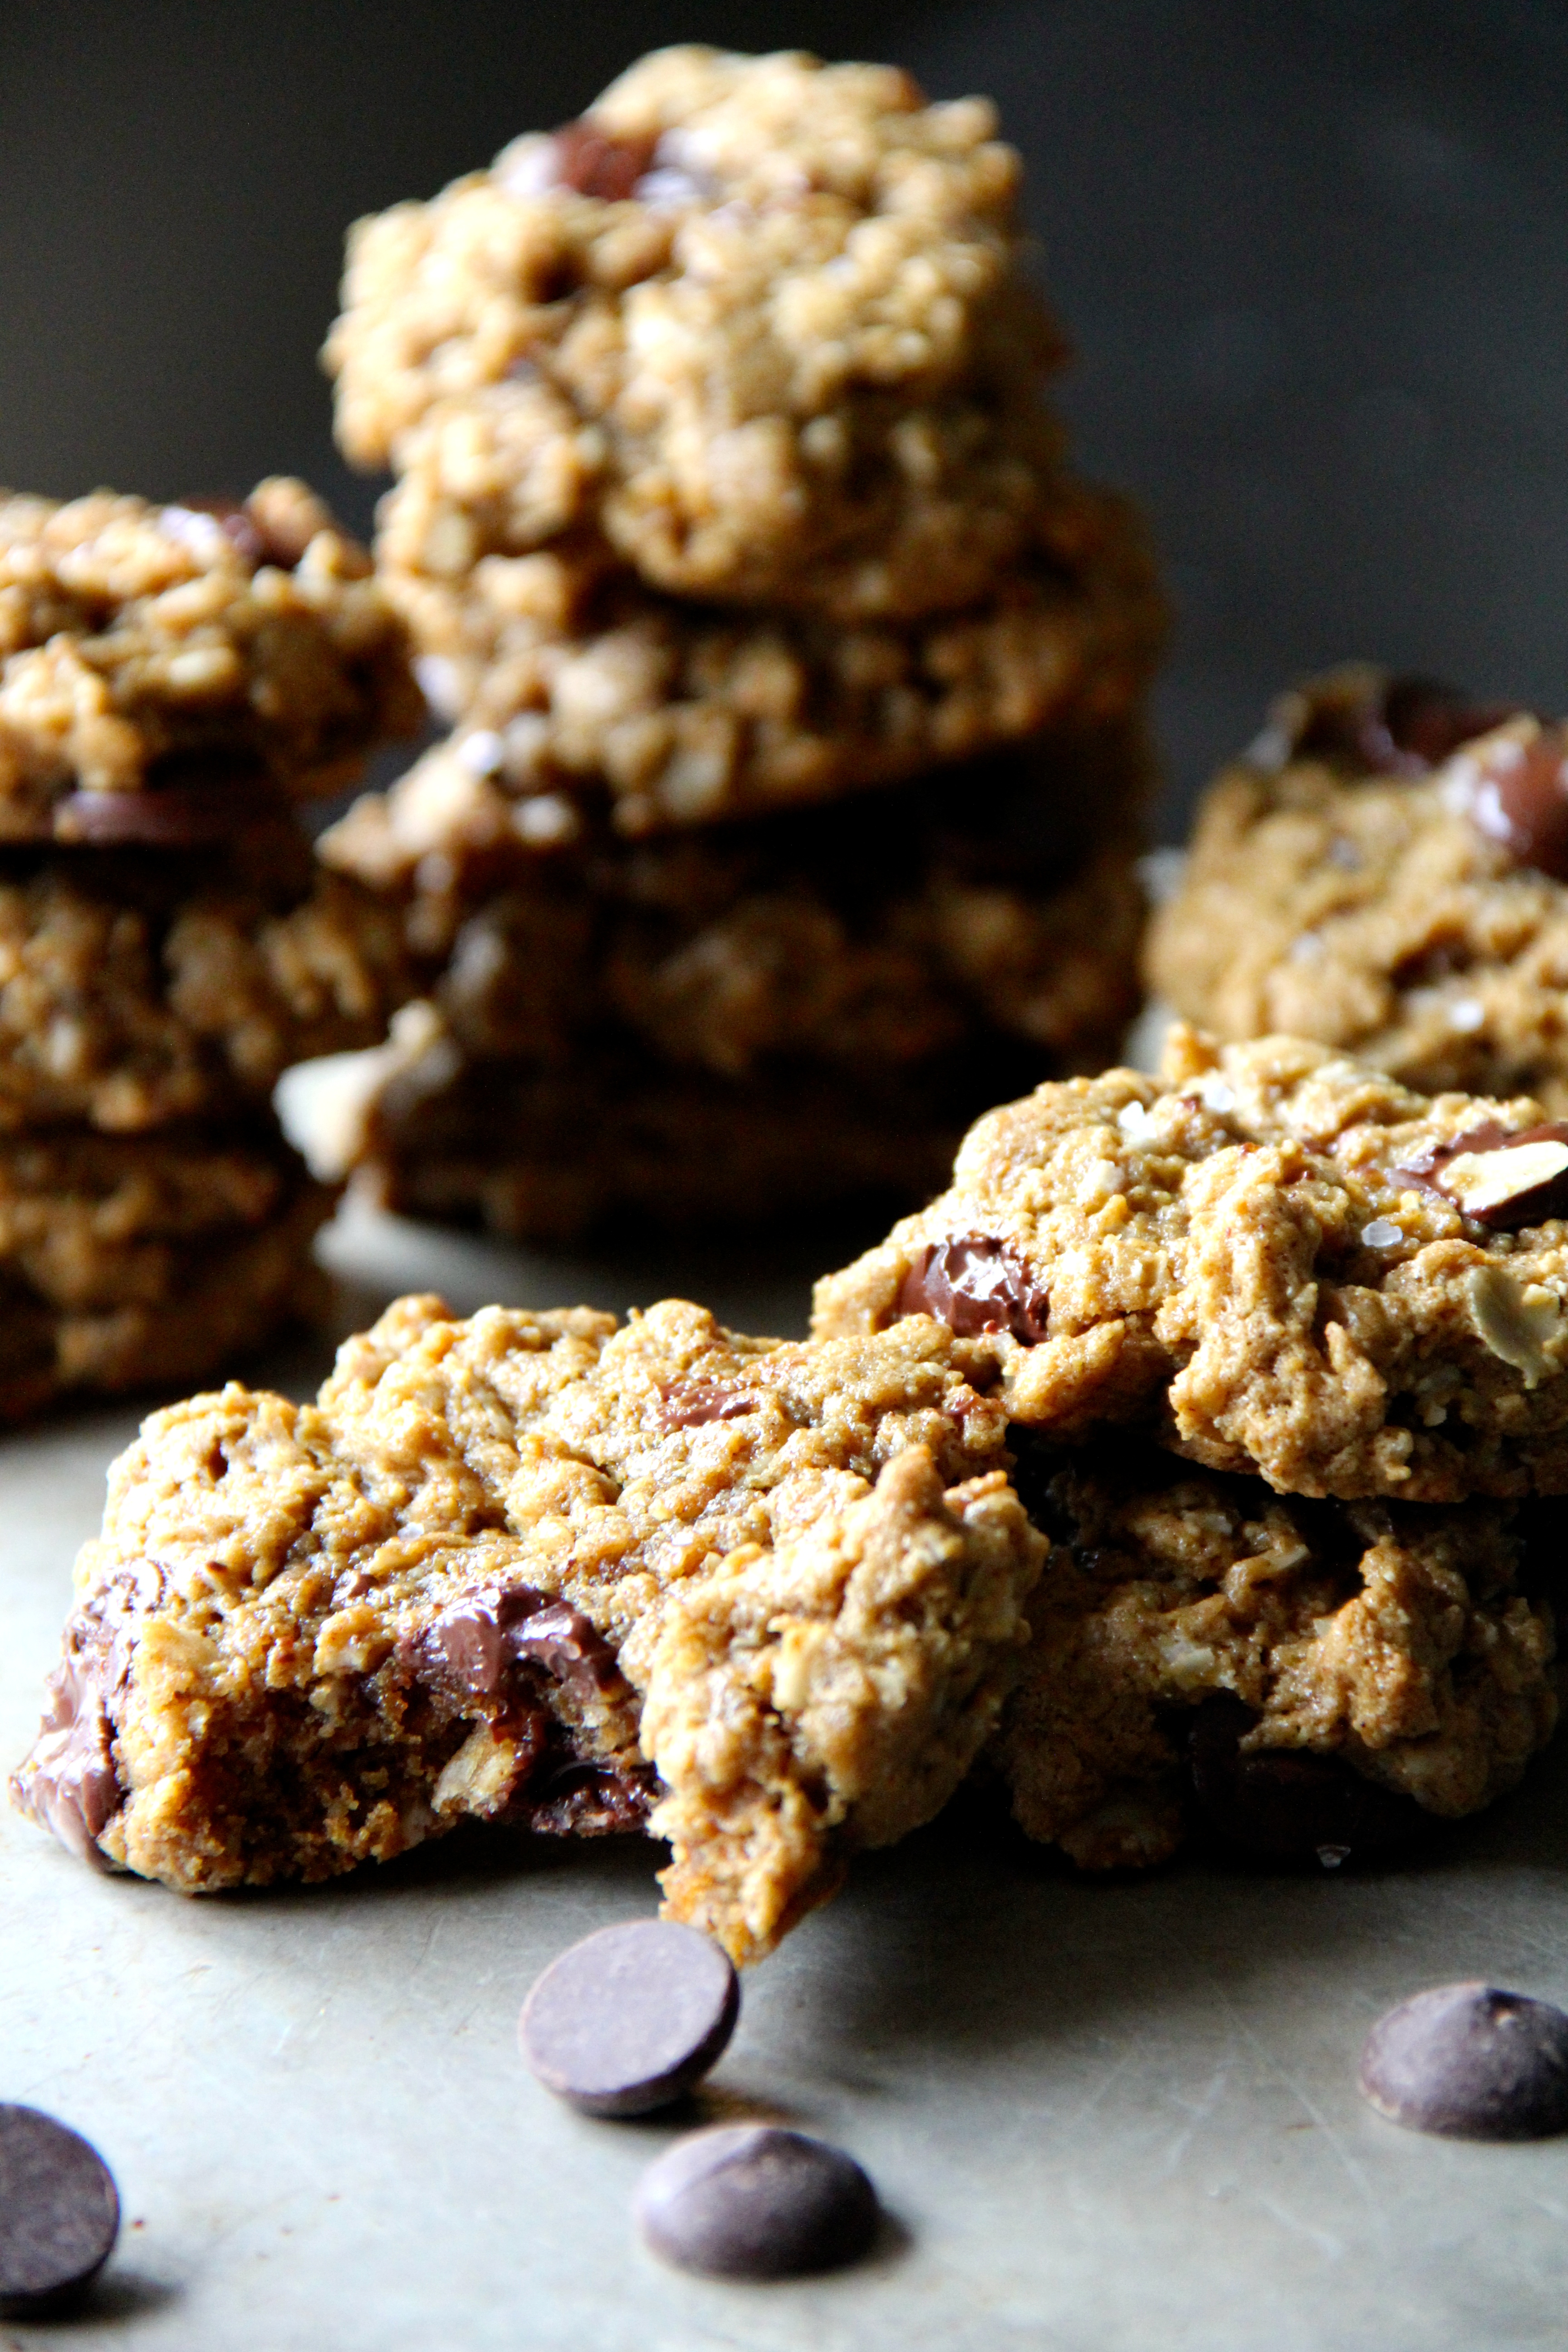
{"x": 630, "y": 2019}
{"x": 1407, "y": 729}
{"x": 598, "y": 163}
{"x": 59, "y": 2211}
{"x": 1517, "y": 793}
{"x": 1470, "y": 2063}
{"x": 174, "y": 815}
{"x": 1287, "y": 1804}
{"x": 1504, "y": 1178}
{"x": 975, "y": 1283}
{"x": 752, "y": 2200}
{"x": 688, "y": 1404}
{"x": 475, "y": 1649}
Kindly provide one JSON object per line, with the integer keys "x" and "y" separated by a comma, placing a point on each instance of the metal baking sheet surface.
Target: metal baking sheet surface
{"x": 1104, "y": 2116}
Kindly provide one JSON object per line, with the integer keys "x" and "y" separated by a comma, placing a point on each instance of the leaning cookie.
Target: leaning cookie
{"x": 1307, "y": 1679}
{"x": 535, "y": 1569}
{"x": 1283, "y": 1260}
{"x": 575, "y": 684}
{"x": 1385, "y": 870}
{"x": 166, "y": 672}
{"x": 757, "y": 323}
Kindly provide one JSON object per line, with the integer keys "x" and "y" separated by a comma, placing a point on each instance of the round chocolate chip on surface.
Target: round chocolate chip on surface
{"x": 752, "y": 2200}
{"x": 631, "y": 2018}
{"x": 1471, "y": 2063}
{"x": 60, "y": 2209}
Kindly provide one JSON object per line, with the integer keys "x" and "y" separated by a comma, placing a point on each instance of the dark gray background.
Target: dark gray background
{"x": 1314, "y": 258}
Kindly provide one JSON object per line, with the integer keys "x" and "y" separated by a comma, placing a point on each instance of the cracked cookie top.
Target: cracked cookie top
{"x": 759, "y": 322}
{"x": 1287, "y": 1261}
{"x": 167, "y": 672}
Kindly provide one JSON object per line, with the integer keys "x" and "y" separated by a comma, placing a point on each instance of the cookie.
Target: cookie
{"x": 536, "y": 1569}
{"x": 1284, "y": 1261}
{"x": 167, "y": 672}
{"x": 1390, "y": 1642}
{"x": 144, "y": 987}
{"x": 757, "y": 324}
{"x": 132, "y": 1262}
{"x": 571, "y": 679}
{"x": 1415, "y": 914}
{"x": 873, "y": 931}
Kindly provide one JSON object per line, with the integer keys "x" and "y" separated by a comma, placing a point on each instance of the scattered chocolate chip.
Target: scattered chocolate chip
{"x": 171, "y": 815}
{"x": 1504, "y": 1178}
{"x": 598, "y": 163}
{"x": 1286, "y": 1804}
{"x": 1394, "y": 727}
{"x": 752, "y": 2200}
{"x": 1471, "y": 2063}
{"x": 975, "y": 1283}
{"x": 688, "y": 1404}
{"x": 631, "y": 2018}
{"x": 59, "y": 2210}
{"x": 1516, "y": 792}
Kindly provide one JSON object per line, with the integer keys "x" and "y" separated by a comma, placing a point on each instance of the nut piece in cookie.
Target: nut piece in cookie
{"x": 1259, "y": 1256}
{"x": 498, "y": 1571}
{"x": 1309, "y": 1680}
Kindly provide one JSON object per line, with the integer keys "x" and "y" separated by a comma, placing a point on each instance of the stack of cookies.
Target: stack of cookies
{"x": 794, "y": 793}
{"x": 1284, "y": 1347}
{"x": 172, "y": 680}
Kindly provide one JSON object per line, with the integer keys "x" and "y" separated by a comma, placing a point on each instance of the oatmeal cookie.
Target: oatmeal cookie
{"x": 132, "y": 1262}
{"x": 877, "y": 930}
{"x": 757, "y": 323}
{"x": 140, "y": 987}
{"x": 1358, "y": 1660}
{"x": 1288, "y": 1262}
{"x": 536, "y": 1569}
{"x": 570, "y": 678}
{"x": 1417, "y": 917}
{"x": 166, "y": 669}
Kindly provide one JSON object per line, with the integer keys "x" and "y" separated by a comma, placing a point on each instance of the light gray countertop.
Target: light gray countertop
{"x": 1104, "y": 2116}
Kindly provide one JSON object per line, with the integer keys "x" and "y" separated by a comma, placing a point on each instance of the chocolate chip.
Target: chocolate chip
{"x": 631, "y": 2018}
{"x": 475, "y": 1649}
{"x": 1516, "y": 792}
{"x": 1471, "y": 2063}
{"x": 750, "y": 2200}
{"x": 59, "y": 2210}
{"x": 1505, "y": 1178}
{"x": 975, "y": 1284}
{"x": 1286, "y": 1804}
{"x": 172, "y": 816}
{"x": 582, "y": 1799}
{"x": 688, "y": 1404}
{"x": 1394, "y": 727}
{"x": 599, "y": 163}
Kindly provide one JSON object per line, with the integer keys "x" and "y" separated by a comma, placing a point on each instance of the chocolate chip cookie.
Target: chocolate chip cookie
{"x": 1282, "y": 1260}
{"x": 758, "y": 324}
{"x": 538, "y": 1569}
{"x": 169, "y": 672}
{"x": 1386, "y": 870}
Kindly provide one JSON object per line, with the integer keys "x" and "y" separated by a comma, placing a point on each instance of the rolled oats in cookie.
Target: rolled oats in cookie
{"x": 167, "y": 672}
{"x": 1310, "y": 1679}
{"x": 501, "y": 1569}
{"x": 1404, "y": 899}
{"x": 758, "y": 323}
{"x": 571, "y": 680}
{"x": 1253, "y": 1255}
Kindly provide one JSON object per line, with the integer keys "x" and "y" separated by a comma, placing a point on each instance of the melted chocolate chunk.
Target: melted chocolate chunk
{"x": 175, "y": 814}
{"x": 597, "y": 163}
{"x": 975, "y": 1284}
{"x": 59, "y": 2212}
{"x": 477, "y": 1650}
{"x": 1526, "y": 1184}
{"x": 1470, "y": 2063}
{"x": 1286, "y": 1804}
{"x": 688, "y": 1404}
{"x": 578, "y": 1800}
{"x": 630, "y": 2019}
{"x": 70, "y": 1786}
{"x": 1517, "y": 793}
{"x": 1410, "y": 726}
{"x": 752, "y": 2200}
